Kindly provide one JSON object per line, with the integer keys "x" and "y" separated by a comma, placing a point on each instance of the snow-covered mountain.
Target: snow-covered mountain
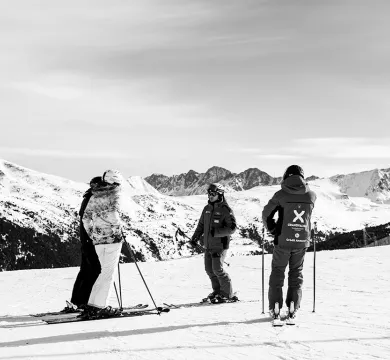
{"x": 138, "y": 186}
{"x": 37, "y": 207}
{"x": 373, "y": 184}
{"x": 48, "y": 205}
{"x": 193, "y": 183}
{"x": 36, "y": 200}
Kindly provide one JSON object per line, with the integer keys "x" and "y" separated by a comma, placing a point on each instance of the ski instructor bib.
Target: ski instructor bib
{"x": 294, "y": 204}
{"x": 296, "y": 225}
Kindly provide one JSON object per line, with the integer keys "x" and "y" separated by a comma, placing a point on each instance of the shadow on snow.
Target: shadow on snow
{"x": 106, "y": 334}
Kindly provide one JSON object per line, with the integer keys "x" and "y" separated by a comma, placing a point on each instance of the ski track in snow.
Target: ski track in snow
{"x": 351, "y": 319}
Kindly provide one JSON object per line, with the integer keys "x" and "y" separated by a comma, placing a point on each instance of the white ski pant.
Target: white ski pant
{"x": 109, "y": 257}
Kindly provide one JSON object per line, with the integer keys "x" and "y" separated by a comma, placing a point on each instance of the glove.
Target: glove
{"x": 272, "y": 231}
{"x": 193, "y": 242}
{"x": 271, "y": 225}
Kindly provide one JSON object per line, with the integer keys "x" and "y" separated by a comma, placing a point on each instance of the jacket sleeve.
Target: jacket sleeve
{"x": 87, "y": 222}
{"x": 200, "y": 228}
{"x": 230, "y": 224}
{"x": 268, "y": 213}
{"x": 118, "y": 201}
{"x": 87, "y": 195}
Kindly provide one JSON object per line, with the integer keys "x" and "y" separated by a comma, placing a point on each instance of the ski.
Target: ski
{"x": 77, "y": 312}
{"x": 123, "y": 314}
{"x": 204, "y": 303}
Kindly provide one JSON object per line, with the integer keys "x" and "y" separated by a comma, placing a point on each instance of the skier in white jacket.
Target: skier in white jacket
{"x": 103, "y": 225}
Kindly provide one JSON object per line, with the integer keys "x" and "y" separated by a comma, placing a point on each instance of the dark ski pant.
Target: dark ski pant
{"x": 220, "y": 279}
{"x": 280, "y": 259}
{"x": 89, "y": 271}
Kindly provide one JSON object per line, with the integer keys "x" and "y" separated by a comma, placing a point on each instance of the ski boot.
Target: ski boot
{"x": 69, "y": 308}
{"x": 291, "y": 314}
{"x": 275, "y": 316}
{"x": 107, "y": 312}
{"x": 218, "y": 299}
{"x": 89, "y": 313}
{"x": 210, "y": 296}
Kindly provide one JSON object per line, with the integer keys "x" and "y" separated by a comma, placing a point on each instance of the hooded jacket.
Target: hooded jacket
{"x": 294, "y": 204}
{"x": 216, "y": 224}
{"x": 101, "y": 218}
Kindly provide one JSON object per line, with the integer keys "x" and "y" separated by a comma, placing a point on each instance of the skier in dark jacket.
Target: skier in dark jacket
{"x": 293, "y": 205}
{"x": 216, "y": 224}
{"x": 90, "y": 266}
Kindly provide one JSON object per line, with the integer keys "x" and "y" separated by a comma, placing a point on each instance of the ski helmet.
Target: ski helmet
{"x": 96, "y": 180}
{"x": 215, "y": 187}
{"x": 112, "y": 177}
{"x": 293, "y": 170}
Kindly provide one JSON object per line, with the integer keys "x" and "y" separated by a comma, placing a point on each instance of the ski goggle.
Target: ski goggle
{"x": 212, "y": 193}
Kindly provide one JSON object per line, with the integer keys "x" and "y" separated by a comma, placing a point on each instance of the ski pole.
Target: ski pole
{"x": 314, "y": 266}
{"x": 159, "y": 309}
{"x": 120, "y": 285}
{"x": 117, "y": 296}
{"x": 262, "y": 271}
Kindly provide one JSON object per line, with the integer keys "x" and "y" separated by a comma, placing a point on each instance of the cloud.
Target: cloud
{"x": 62, "y": 86}
{"x": 278, "y": 156}
{"x": 344, "y": 148}
{"x": 68, "y": 154}
{"x": 326, "y": 148}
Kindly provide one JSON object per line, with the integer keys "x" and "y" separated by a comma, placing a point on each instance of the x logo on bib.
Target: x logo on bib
{"x": 298, "y": 216}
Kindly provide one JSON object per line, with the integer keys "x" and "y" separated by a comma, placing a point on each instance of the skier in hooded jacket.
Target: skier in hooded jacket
{"x": 90, "y": 266}
{"x": 103, "y": 225}
{"x": 293, "y": 205}
{"x": 216, "y": 224}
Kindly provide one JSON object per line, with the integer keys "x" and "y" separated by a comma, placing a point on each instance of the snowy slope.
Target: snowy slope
{"x": 351, "y": 321}
{"x": 37, "y": 200}
{"x": 373, "y": 184}
{"x": 49, "y": 203}
{"x": 138, "y": 186}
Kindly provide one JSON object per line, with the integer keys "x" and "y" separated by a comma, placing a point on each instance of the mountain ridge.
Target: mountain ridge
{"x": 194, "y": 183}
{"x": 373, "y": 184}
{"x": 39, "y": 216}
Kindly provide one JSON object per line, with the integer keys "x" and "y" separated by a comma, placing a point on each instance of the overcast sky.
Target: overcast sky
{"x": 165, "y": 86}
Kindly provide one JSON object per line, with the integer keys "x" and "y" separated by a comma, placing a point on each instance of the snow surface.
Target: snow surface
{"x": 351, "y": 320}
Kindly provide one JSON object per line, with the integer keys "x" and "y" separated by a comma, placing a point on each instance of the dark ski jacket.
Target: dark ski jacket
{"x": 84, "y": 238}
{"x": 216, "y": 224}
{"x": 294, "y": 204}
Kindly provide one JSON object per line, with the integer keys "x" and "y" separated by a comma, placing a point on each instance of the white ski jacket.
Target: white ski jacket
{"x": 102, "y": 215}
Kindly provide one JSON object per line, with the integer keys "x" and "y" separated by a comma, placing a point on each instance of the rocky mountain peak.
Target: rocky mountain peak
{"x": 194, "y": 183}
